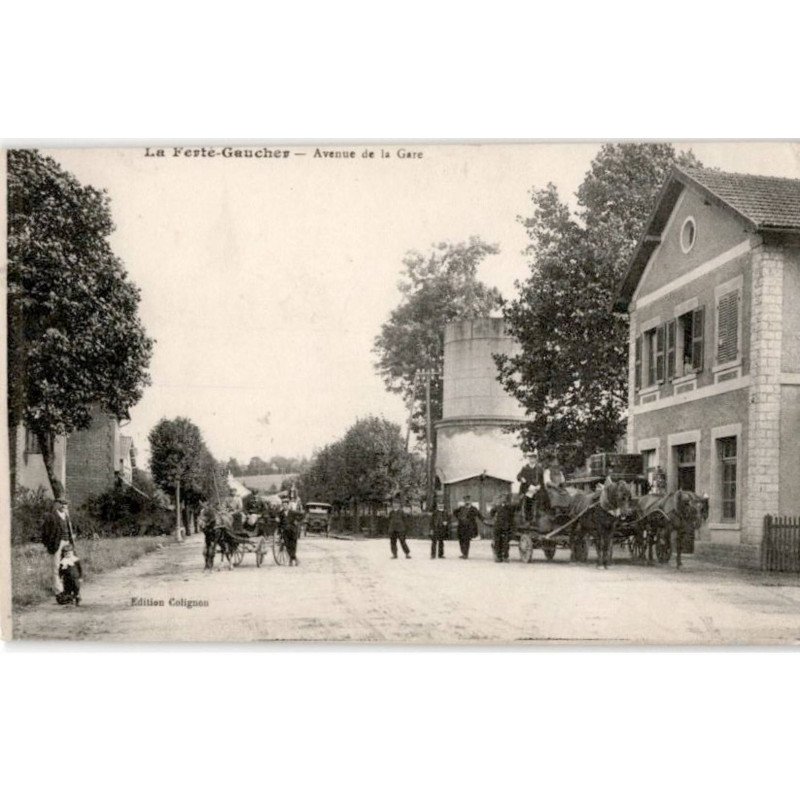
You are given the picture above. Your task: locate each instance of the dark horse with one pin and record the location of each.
(681, 512)
(598, 513)
(218, 531)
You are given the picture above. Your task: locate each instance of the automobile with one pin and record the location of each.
(318, 518)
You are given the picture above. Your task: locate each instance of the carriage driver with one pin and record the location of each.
(530, 480)
(554, 475)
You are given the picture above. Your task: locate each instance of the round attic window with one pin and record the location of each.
(688, 234)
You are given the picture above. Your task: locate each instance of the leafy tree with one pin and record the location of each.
(571, 373)
(75, 340)
(182, 465)
(437, 287)
(235, 467)
(257, 466)
(364, 468)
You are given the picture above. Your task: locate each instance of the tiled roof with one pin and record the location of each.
(767, 202)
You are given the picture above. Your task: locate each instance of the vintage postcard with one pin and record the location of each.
(409, 393)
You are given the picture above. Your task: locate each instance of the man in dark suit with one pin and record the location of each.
(440, 527)
(290, 520)
(503, 526)
(57, 532)
(467, 517)
(398, 527)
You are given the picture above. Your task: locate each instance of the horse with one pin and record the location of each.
(217, 528)
(681, 512)
(598, 513)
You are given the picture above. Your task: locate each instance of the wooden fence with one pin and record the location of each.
(780, 547)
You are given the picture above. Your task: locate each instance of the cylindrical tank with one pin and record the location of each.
(472, 438)
(470, 382)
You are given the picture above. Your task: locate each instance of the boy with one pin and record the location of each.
(70, 572)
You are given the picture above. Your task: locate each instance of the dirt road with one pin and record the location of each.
(351, 591)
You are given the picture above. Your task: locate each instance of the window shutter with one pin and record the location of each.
(698, 320)
(661, 335)
(728, 328)
(638, 369)
(671, 349)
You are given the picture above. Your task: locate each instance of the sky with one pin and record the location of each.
(265, 281)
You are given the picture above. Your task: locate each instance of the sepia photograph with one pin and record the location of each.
(404, 393)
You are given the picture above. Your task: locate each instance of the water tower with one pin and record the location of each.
(475, 455)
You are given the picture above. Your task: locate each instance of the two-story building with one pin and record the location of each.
(713, 294)
(86, 463)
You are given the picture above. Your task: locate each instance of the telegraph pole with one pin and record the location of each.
(428, 375)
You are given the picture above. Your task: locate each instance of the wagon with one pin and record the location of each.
(258, 534)
(549, 532)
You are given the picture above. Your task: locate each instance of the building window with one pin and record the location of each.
(650, 357)
(32, 447)
(726, 456)
(689, 343)
(728, 327)
(650, 342)
(688, 234)
(686, 459)
(32, 443)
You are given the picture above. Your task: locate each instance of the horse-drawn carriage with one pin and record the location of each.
(569, 518)
(609, 505)
(234, 534)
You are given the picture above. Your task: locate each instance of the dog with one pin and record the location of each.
(71, 573)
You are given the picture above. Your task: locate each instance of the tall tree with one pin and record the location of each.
(363, 469)
(182, 465)
(571, 374)
(75, 341)
(437, 287)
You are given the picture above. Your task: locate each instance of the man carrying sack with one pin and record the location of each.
(56, 533)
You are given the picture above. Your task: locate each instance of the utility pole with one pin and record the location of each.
(428, 375)
(178, 536)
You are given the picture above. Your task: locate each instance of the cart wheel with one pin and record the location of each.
(549, 550)
(237, 556)
(279, 551)
(663, 547)
(526, 548)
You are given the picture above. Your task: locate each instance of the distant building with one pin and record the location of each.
(475, 455)
(235, 486)
(713, 293)
(126, 459)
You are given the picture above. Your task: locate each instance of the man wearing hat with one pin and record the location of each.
(503, 514)
(56, 533)
(467, 517)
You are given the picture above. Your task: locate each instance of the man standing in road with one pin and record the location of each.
(291, 518)
(467, 517)
(398, 527)
(503, 526)
(440, 527)
(56, 533)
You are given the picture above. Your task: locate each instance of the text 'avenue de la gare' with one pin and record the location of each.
(334, 154)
